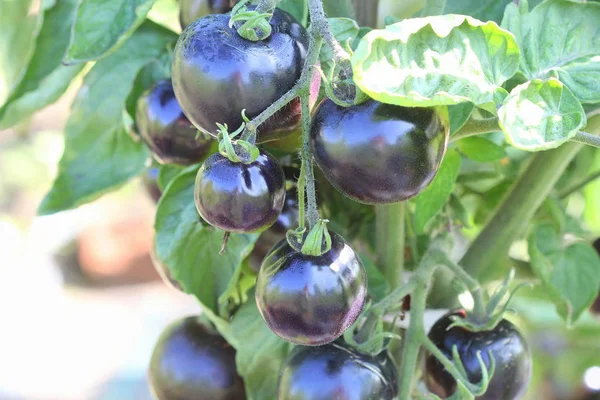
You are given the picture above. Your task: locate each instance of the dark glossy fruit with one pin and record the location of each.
(190, 362)
(149, 178)
(311, 300)
(217, 73)
(507, 346)
(336, 372)
(288, 219)
(239, 197)
(191, 10)
(166, 130)
(378, 153)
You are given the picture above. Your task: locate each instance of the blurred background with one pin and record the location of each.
(81, 304)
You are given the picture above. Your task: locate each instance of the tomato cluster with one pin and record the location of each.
(373, 153)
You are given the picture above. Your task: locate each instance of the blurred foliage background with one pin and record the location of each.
(82, 305)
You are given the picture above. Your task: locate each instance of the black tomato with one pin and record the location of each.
(378, 153)
(336, 372)
(149, 178)
(238, 197)
(217, 73)
(288, 219)
(507, 346)
(311, 300)
(165, 128)
(191, 10)
(190, 362)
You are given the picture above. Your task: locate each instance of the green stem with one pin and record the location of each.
(475, 127)
(587, 139)
(579, 185)
(411, 343)
(471, 283)
(517, 208)
(390, 241)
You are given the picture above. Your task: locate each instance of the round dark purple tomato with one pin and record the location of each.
(377, 153)
(311, 300)
(149, 178)
(166, 130)
(238, 197)
(191, 362)
(288, 219)
(217, 73)
(336, 372)
(507, 346)
(191, 10)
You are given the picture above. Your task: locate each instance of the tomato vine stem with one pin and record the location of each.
(587, 138)
(475, 127)
(390, 236)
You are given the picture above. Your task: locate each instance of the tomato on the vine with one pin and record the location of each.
(504, 343)
(238, 197)
(165, 128)
(287, 219)
(191, 362)
(311, 300)
(149, 179)
(336, 372)
(378, 153)
(191, 10)
(217, 74)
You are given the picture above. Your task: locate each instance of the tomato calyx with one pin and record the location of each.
(315, 242)
(486, 316)
(236, 150)
(253, 25)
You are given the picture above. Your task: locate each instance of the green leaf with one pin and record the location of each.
(540, 115)
(441, 60)
(167, 173)
(99, 155)
(570, 273)
(103, 25)
(480, 149)
(20, 22)
(45, 79)
(560, 38)
(345, 30)
(431, 200)
(151, 73)
(459, 115)
(298, 8)
(260, 353)
(190, 249)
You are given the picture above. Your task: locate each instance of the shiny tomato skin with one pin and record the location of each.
(191, 362)
(165, 128)
(336, 372)
(238, 197)
(217, 73)
(377, 153)
(191, 10)
(507, 346)
(311, 300)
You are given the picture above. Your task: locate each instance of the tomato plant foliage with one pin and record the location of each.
(516, 86)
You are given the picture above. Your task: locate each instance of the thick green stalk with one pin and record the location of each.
(511, 218)
(390, 241)
(366, 12)
(411, 343)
